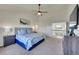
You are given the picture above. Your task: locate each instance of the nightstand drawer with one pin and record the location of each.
(8, 40)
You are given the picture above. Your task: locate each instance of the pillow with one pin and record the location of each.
(29, 30)
(22, 31)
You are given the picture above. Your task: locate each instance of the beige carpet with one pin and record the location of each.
(51, 46)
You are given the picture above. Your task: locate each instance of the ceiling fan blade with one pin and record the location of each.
(39, 12)
(34, 12)
(44, 12)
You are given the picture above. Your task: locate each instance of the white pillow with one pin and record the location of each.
(22, 31)
(29, 30)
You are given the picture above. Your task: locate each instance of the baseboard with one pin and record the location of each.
(1, 46)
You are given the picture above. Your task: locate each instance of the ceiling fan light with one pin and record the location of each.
(39, 13)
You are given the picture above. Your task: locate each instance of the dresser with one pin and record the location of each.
(8, 40)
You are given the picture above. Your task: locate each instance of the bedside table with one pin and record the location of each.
(8, 40)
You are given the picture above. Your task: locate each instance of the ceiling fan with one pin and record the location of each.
(40, 12)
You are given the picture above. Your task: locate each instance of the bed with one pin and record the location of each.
(27, 39)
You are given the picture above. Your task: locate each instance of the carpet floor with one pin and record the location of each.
(51, 46)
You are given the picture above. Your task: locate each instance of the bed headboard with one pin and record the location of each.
(22, 30)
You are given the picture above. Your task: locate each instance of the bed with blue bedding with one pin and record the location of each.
(28, 39)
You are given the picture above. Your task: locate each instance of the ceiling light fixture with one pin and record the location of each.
(39, 13)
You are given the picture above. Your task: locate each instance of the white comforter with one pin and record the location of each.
(29, 39)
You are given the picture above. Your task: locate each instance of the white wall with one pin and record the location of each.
(71, 8)
(47, 30)
(1, 36)
(51, 32)
(12, 19)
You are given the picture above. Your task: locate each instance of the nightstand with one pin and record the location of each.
(9, 39)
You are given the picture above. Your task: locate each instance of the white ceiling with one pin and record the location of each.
(56, 12)
(30, 7)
